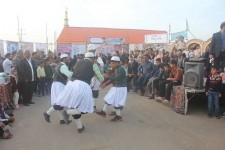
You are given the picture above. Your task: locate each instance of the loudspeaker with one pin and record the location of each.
(194, 75)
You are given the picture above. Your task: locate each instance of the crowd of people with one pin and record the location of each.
(74, 82)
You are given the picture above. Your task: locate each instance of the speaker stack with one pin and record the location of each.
(194, 73)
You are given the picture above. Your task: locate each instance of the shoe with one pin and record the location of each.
(113, 113)
(151, 97)
(26, 104)
(31, 102)
(66, 117)
(218, 117)
(47, 117)
(209, 116)
(63, 122)
(81, 130)
(165, 101)
(101, 113)
(117, 119)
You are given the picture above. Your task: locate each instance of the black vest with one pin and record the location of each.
(58, 76)
(83, 70)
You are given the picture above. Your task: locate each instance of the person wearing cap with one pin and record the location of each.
(166, 86)
(77, 95)
(118, 93)
(60, 78)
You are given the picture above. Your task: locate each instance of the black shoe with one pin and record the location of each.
(66, 117)
(63, 122)
(218, 117)
(81, 130)
(26, 104)
(31, 102)
(209, 116)
(47, 117)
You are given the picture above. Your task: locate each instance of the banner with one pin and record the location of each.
(26, 46)
(40, 47)
(176, 35)
(1, 48)
(138, 46)
(107, 41)
(64, 48)
(156, 38)
(78, 49)
(12, 46)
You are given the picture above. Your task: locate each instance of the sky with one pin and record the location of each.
(35, 16)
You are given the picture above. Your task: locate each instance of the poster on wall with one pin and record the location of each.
(156, 38)
(26, 46)
(12, 46)
(78, 49)
(97, 40)
(1, 48)
(64, 48)
(107, 41)
(40, 47)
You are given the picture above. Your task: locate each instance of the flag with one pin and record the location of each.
(187, 26)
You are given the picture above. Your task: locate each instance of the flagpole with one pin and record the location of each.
(187, 29)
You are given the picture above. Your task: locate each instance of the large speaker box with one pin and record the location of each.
(194, 75)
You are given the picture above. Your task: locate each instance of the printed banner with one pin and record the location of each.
(64, 48)
(26, 46)
(1, 48)
(12, 46)
(138, 46)
(156, 38)
(107, 41)
(176, 35)
(78, 49)
(40, 47)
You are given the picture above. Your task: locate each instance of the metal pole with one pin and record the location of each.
(46, 37)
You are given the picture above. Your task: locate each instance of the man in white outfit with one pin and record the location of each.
(60, 78)
(77, 95)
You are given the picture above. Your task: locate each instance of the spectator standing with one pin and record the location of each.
(217, 50)
(41, 79)
(7, 63)
(27, 77)
(49, 76)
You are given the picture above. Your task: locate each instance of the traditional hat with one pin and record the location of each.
(115, 58)
(89, 55)
(63, 56)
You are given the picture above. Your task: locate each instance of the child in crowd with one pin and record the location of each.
(14, 87)
(213, 91)
(222, 104)
(5, 119)
(95, 86)
(4, 131)
(41, 79)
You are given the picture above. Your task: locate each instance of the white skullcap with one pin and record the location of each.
(63, 56)
(91, 47)
(89, 55)
(115, 58)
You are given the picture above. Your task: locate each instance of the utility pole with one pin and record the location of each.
(46, 32)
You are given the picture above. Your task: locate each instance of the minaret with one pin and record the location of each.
(66, 20)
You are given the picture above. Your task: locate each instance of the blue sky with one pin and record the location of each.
(204, 17)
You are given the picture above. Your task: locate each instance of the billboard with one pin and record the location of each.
(26, 46)
(174, 36)
(156, 38)
(78, 49)
(1, 47)
(40, 47)
(107, 41)
(12, 46)
(64, 48)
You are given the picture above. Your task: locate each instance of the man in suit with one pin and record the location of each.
(26, 77)
(217, 50)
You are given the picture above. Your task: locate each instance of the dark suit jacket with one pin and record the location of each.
(133, 68)
(24, 71)
(216, 45)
